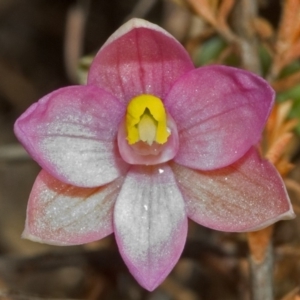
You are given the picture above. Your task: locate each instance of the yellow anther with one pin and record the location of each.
(146, 120)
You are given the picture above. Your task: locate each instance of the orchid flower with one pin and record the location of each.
(147, 143)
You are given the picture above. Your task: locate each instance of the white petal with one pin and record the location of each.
(150, 223)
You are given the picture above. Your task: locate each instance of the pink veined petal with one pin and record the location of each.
(220, 113)
(150, 223)
(62, 214)
(72, 133)
(245, 196)
(139, 58)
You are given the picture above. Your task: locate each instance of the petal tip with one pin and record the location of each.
(133, 24)
(150, 285)
(288, 215)
(34, 238)
(29, 236)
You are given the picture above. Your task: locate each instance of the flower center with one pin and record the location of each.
(148, 134)
(146, 120)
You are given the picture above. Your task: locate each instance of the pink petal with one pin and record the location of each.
(63, 214)
(139, 58)
(220, 113)
(245, 196)
(72, 133)
(150, 223)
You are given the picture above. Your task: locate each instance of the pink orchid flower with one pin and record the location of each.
(149, 142)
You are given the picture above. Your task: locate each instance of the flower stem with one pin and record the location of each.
(261, 264)
(260, 242)
(244, 12)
